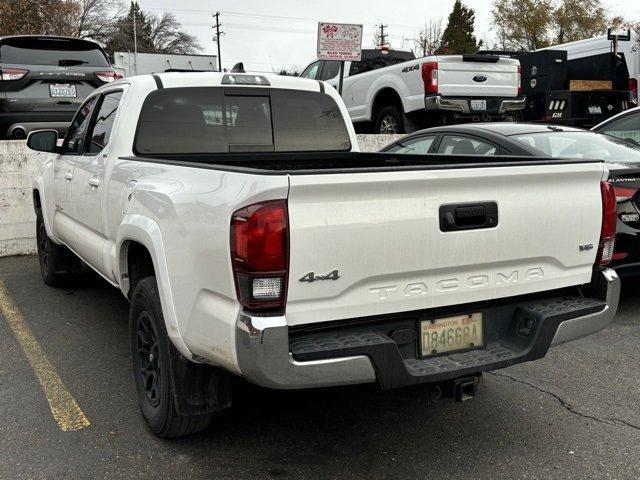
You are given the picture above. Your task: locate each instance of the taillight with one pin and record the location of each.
(430, 77)
(608, 231)
(633, 91)
(520, 89)
(108, 77)
(624, 193)
(260, 254)
(8, 74)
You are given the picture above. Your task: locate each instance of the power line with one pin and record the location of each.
(259, 16)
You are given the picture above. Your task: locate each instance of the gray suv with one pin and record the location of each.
(44, 79)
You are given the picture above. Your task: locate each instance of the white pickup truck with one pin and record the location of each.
(251, 238)
(397, 93)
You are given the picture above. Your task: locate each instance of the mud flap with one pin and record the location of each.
(198, 388)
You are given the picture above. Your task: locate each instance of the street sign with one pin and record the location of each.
(339, 41)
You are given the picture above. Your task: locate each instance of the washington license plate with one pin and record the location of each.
(62, 90)
(451, 334)
(478, 105)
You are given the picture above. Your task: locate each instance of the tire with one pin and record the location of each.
(150, 359)
(58, 265)
(389, 121)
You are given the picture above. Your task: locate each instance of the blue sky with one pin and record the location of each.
(276, 33)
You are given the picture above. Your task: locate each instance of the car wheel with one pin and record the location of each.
(389, 121)
(56, 261)
(149, 346)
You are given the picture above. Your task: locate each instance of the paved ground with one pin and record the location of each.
(573, 415)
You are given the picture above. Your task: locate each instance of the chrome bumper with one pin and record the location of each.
(263, 356)
(262, 346)
(463, 105)
(608, 289)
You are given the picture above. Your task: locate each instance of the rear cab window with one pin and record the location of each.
(210, 120)
(51, 51)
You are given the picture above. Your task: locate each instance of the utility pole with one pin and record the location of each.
(135, 39)
(382, 35)
(217, 38)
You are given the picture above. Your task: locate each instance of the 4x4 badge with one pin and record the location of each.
(312, 277)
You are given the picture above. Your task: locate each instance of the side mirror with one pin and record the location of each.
(43, 141)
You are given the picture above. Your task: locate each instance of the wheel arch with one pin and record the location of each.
(139, 245)
(385, 97)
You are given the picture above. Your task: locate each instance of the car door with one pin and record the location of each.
(72, 149)
(88, 175)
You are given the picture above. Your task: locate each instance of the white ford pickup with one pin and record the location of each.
(397, 93)
(251, 238)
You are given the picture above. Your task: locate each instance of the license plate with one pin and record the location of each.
(445, 335)
(478, 105)
(62, 90)
(595, 110)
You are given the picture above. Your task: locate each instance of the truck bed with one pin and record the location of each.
(345, 162)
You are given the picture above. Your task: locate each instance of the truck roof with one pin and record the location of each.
(214, 79)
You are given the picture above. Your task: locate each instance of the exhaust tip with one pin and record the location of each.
(19, 133)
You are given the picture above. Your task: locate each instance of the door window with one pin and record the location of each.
(626, 128)
(74, 143)
(461, 145)
(330, 70)
(311, 71)
(104, 122)
(415, 146)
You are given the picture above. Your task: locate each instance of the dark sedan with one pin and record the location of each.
(44, 79)
(549, 141)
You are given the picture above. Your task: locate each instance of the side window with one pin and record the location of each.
(311, 71)
(362, 66)
(104, 122)
(626, 128)
(415, 146)
(330, 70)
(74, 143)
(460, 145)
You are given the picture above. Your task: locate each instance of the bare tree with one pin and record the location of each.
(429, 38)
(53, 17)
(167, 36)
(97, 18)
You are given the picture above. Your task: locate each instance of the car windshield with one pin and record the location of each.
(588, 145)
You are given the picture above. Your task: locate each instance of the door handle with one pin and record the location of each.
(94, 182)
(455, 217)
(68, 176)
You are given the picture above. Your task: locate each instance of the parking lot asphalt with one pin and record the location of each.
(573, 415)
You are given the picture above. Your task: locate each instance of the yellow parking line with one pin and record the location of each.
(64, 407)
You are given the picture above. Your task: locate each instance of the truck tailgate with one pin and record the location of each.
(381, 231)
(463, 78)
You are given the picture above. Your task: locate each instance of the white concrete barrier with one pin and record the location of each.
(18, 167)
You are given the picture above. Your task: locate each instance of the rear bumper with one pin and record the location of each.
(30, 121)
(268, 356)
(463, 105)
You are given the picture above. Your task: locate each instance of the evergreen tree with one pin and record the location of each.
(458, 37)
(122, 36)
